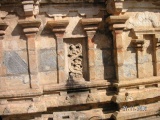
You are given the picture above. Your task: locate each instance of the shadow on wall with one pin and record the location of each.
(104, 57)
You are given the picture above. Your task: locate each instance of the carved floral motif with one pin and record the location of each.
(75, 60)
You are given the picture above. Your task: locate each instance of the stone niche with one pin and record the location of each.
(76, 63)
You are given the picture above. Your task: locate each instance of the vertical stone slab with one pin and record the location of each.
(91, 54)
(32, 60)
(60, 59)
(119, 53)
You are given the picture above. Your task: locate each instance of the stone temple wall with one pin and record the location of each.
(79, 59)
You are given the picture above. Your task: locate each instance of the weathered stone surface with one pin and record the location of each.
(72, 59)
(47, 60)
(14, 63)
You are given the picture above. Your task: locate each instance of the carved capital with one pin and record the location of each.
(90, 24)
(30, 26)
(58, 26)
(117, 22)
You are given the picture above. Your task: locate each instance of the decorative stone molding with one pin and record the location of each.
(58, 26)
(30, 28)
(145, 19)
(90, 24)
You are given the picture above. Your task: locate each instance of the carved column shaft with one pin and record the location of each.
(58, 28)
(138, 43)
(91, 54)
(32, 60)
(117, 25)
(119, 53)
(90, 26)
(60, 58)
(30, 28)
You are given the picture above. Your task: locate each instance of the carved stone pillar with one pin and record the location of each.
(117, 26)
(58, 27)
(90, 26)
(30, 28)
(138, 43)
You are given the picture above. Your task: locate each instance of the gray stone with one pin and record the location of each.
(14, 63)
(47, 60)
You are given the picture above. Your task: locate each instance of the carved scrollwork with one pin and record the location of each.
(75, 60)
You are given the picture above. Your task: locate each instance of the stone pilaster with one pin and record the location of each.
(117, 26)
(90, 26)
(138, 43)
(30, 28)
(58, 27)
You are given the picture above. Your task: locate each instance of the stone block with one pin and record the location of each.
(17, 82)
(91, 56)
(47, 60)
(92, 73)
(158, 55)
(49, 77)
(130, 56)
(33, 65)
(148, 69)
(130, 70)
(28, 9)
(14, 63)
(158, 68)
(46, 41)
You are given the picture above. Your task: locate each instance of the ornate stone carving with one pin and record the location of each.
(75, 60)
(146, 19)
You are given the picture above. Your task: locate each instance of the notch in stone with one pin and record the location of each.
(138, 43)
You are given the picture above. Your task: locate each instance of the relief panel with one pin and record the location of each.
(76, 60)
